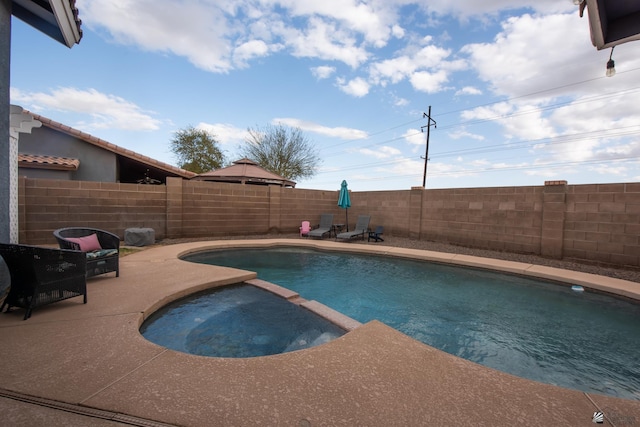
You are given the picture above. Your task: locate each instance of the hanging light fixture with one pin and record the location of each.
(611, 65)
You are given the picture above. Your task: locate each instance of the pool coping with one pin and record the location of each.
(93, 358)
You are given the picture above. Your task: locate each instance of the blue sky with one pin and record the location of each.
(516, 87)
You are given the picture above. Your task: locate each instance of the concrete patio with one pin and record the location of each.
(74, 364)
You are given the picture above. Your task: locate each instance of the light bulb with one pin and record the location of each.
(577, 2)
(611, 68)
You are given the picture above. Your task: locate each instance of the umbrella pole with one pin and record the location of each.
(346, 213)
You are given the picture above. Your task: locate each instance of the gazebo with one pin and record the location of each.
(245, 171)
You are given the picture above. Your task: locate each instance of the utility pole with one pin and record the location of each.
(426, 154)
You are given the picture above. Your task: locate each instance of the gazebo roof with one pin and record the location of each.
(245, 171)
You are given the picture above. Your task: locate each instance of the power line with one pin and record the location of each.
(547, 166)
(478, 121)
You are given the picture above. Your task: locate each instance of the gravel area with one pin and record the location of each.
(631, 274)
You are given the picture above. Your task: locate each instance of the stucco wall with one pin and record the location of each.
(598, 223)
(96, 164)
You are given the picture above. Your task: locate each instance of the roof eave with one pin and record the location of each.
(67, 18)
(120, 151)
(59, 20)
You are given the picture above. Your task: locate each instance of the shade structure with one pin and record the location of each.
(344, 201)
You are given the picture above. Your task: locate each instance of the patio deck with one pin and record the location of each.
(76, 364)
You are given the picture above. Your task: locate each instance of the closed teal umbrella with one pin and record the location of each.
(344, 201)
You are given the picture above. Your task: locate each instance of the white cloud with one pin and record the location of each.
(425, 81)
(414, 137)
(399, 102)
(526, 54)
(151, 25)
(404, 66)
(467, 9)
(250, 50)
(336, 132)
(323, 71)
(357, 87)
(397, 31)
(107, 111)
(373, 20)
(469, 90)
(406, 166)
(225, 133)
(323, 40)
(383, 152)
(219, 36)
(464, 134)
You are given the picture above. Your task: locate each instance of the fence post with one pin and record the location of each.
(416, 206)
(553, 214)
(275, 206)
(174, 208)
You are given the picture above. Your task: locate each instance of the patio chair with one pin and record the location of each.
(305, 228)
(41, 276)
(326, 224)
(362, 227)
(375, 235)
(101, 248)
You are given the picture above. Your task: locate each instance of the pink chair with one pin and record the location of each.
(305, 228)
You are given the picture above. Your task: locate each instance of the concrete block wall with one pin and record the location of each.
(603, 223)
(297, 205)
(46, 204)
(390, 209)
(501, 218)
(218, 209)
(599, 222)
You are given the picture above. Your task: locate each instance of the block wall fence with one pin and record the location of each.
(599, 222)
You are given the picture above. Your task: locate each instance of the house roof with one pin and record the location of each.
(56, 18)
(52, 124)
(47, 162)
(245, 171)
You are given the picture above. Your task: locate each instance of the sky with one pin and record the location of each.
(517, 91)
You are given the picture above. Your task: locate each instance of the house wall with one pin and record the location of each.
(599, 223)
(44, 173)
(96, 164)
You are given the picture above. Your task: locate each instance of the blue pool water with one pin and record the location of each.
(237, 321)
(530, 328)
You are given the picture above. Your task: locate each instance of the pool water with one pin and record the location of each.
(237, 321)
(530, 328)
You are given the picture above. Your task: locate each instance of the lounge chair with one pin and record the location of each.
(362, 227)
(41, 276)
(375, 235)
(326, 225)
(305, 228)
(101, 248)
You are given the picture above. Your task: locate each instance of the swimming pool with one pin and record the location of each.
(237, 321)
(530, 328)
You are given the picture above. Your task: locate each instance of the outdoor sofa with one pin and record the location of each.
(40, 276)
(101, 248)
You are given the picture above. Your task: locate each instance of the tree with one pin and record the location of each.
(283, 150)
(197, 150)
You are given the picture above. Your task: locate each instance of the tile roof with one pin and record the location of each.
(52, 124)
(47, 162)
(245, 171)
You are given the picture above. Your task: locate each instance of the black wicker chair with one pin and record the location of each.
(41, 276)
(101, 261)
